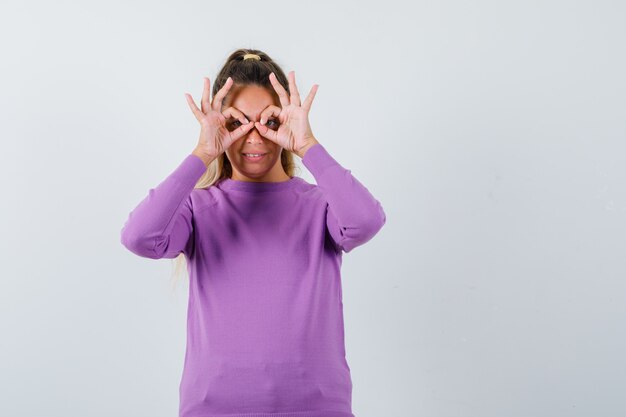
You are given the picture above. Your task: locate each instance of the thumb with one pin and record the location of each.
(241, 130)
(266, 132)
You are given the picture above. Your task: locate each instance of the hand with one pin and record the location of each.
(215, 138)
(294, 132)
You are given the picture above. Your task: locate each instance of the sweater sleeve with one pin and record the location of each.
(161, 224)
(353, 215)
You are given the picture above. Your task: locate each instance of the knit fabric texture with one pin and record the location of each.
(265, 329)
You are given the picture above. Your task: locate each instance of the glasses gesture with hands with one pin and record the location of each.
(293, 134)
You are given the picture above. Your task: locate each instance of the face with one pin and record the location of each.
(251, 100)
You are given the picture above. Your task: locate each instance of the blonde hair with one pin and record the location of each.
(243, 72)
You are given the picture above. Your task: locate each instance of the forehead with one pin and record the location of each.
(250, 99)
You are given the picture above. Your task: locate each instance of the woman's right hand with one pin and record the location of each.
(215, 137)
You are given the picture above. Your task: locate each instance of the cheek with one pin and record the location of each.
(232, 152)
(276, 149)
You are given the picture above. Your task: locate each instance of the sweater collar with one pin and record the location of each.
(255, 187)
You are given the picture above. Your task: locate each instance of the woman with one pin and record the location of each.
(265, 334)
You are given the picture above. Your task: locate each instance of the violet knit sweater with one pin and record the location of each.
(265, 331)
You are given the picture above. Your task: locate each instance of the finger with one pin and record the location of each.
(309, 99)
(280, 90)
(241, 130)
(270, 111)
(295, 95)
(206, 92)
(266, 132)
(217, 99)
(236, 114)
(192, 105)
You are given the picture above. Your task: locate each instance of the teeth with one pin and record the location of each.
(252, 154)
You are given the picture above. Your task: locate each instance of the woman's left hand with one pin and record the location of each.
(294, 132)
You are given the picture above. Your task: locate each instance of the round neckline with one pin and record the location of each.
(256, 187)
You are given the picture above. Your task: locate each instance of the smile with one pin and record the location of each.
(253, 157)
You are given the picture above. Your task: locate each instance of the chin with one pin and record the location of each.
(252, 171)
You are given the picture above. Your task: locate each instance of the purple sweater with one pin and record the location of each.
(265, 331)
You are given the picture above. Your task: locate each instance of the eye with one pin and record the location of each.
(232, 125)
(274, 121)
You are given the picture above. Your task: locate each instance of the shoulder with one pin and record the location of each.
(308, 190)
(202, 198)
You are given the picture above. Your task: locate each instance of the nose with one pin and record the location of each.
(254, 136)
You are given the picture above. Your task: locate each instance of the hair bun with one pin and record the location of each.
(251, 56)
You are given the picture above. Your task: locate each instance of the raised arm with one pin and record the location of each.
(161, 225)
(353, 216)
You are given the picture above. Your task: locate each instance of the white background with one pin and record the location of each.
(492, 132)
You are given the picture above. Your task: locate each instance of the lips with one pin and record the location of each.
(253, 158)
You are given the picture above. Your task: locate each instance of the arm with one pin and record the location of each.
(161, 225)
(353, 215)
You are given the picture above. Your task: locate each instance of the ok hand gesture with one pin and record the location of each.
(294, 133)
(215, 138)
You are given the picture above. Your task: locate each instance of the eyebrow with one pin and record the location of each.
(250, 118)
(246, 116)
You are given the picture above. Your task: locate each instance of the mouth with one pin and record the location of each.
(253, 157)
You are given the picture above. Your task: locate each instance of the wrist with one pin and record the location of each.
(306, 147)
(207, 159)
